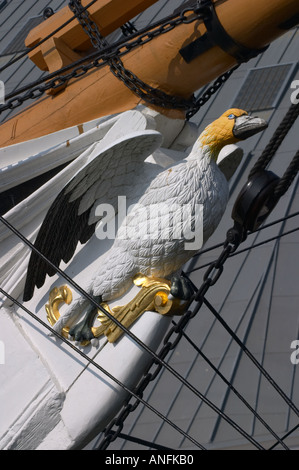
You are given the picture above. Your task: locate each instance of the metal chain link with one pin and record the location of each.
(89, 26)
(139, 87)
(205, 97)
(136, 85)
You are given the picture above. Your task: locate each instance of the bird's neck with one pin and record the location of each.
(212, 140)
(205, 152)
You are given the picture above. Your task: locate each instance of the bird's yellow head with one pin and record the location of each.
(234, 125)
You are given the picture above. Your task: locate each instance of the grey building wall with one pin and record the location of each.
(257, 295)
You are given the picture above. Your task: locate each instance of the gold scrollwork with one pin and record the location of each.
(153, 296)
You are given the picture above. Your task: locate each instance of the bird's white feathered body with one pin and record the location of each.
(151, 239)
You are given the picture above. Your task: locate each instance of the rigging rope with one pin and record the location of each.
(143, 442)
(287, 179)
(285, 436)
(251, 357)
(277, 139)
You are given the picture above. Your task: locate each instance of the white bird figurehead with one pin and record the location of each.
(231, 127)
(120, 169)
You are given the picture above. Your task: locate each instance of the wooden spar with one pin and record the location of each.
(108, 14)
(159, 63)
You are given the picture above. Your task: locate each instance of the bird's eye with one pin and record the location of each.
(231, 116)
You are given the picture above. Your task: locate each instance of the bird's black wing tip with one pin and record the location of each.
(28, 294)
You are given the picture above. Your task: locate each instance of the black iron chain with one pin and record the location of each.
(210, 91)
(110, 55)
(146, 92)
(136, 85)
(233, 240)
(89, 26)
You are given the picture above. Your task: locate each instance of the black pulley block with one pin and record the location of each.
(256, 200)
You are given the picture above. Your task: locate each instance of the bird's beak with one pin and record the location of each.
(247, 126)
